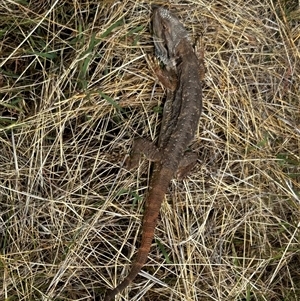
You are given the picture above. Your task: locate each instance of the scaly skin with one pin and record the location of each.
(180, 121)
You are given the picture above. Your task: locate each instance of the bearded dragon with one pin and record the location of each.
(181, 115)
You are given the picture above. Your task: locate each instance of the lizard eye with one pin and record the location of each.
(164, 26)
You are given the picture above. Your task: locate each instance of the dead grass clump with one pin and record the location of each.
(76, 89)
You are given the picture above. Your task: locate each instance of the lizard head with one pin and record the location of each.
(167, 33)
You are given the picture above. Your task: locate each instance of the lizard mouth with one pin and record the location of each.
(159, 35)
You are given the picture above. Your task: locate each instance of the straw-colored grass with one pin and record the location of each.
(76, 89)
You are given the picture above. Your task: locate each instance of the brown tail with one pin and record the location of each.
(155, 197)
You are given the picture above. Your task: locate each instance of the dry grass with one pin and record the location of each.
(76, 89)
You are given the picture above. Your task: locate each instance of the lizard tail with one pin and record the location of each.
(153, 204)
(141, 258)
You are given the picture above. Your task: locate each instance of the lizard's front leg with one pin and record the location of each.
(167, 76)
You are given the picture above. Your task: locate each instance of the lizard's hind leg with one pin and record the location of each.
(142, 146)
(186, 164)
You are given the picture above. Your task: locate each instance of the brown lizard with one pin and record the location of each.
(181, 115)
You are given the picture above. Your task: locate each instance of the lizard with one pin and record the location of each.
(181, 114)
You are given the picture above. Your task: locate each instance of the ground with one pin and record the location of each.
(76, 88)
